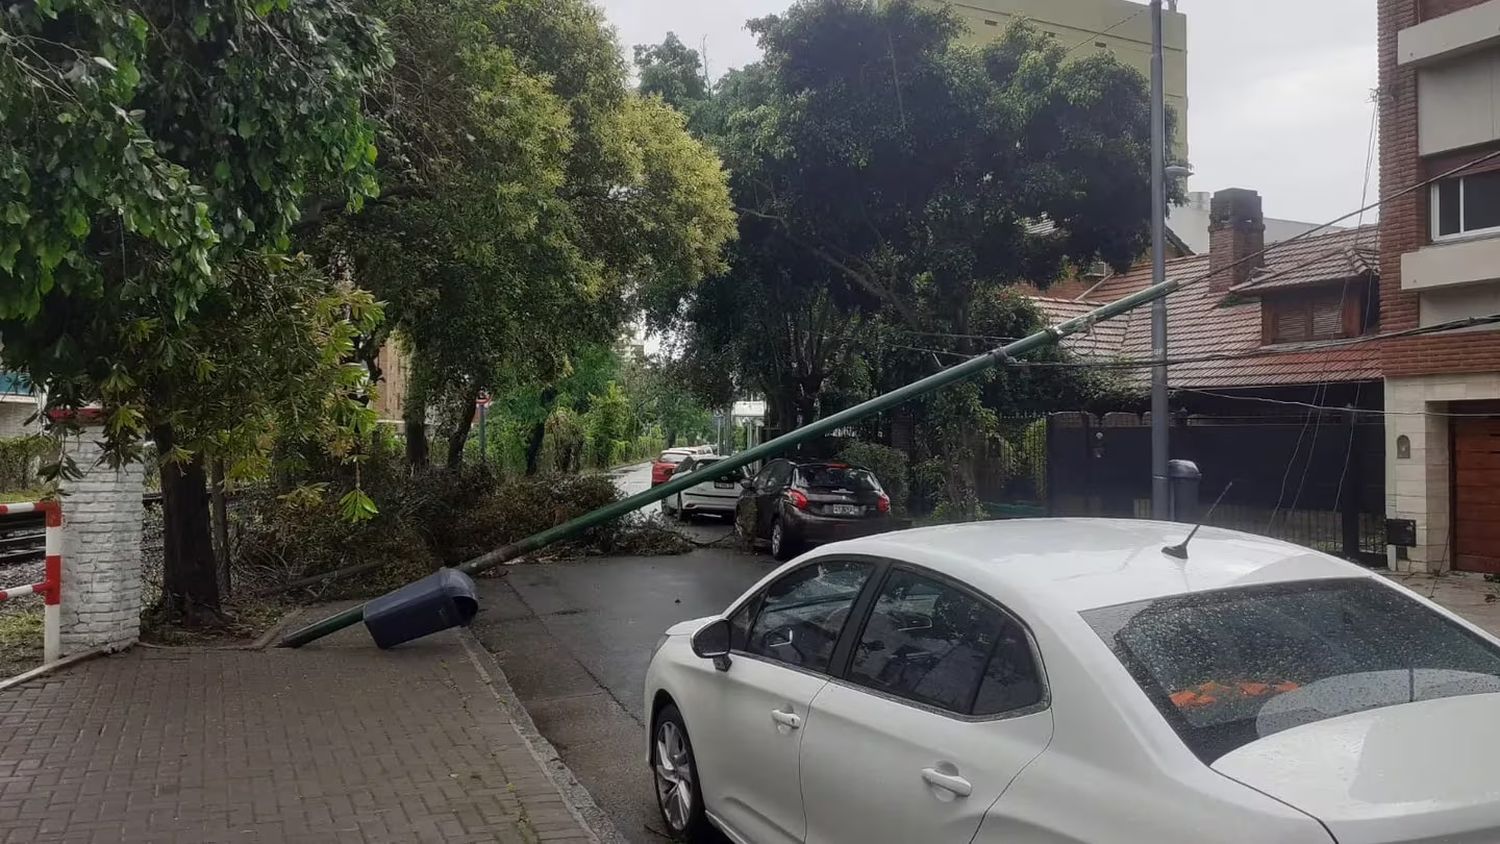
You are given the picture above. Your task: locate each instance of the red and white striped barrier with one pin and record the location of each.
(51, 586)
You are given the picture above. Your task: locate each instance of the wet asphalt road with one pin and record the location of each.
(574, 639)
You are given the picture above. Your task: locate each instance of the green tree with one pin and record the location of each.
(607, 424)
(892, 185)
(533, 202)
(673, 71)
(153, 158)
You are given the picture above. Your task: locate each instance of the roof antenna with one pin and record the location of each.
(1180, 550)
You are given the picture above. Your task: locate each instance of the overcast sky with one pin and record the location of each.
(1278, 90)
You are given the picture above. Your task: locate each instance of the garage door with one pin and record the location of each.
(1476, 478)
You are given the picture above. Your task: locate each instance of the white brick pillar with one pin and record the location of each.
(101, 577)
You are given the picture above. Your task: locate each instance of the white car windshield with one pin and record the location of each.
(1230, 666)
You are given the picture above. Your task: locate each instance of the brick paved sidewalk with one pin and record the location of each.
(337, 742)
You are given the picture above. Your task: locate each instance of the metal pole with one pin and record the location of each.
(572, 527)
(1160, 485)
(484, 442)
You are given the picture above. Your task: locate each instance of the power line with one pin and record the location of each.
(1335, 409)
(1289, 349)
(1261, 253)
(1107, 30)
(1364, 191)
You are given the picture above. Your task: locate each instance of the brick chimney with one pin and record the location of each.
(1236, 230)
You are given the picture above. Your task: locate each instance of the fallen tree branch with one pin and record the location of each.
(315, 579)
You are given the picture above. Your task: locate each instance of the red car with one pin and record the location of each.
(666, 463)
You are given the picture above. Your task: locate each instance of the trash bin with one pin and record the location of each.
(441, 600)
(1184, 479)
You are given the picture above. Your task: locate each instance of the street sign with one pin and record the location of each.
(484, 398)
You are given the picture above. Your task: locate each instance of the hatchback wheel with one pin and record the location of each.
(783, 546)
(677, 793)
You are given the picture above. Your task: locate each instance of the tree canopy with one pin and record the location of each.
(672, 71)
(892, 185)
(533, 203)
(153, 158)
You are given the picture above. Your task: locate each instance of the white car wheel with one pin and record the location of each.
(677, 792)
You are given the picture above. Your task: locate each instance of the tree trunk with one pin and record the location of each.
(671, 438)
(539, 432)
(221, 526)
(534, 447)
(460, 435)
(415, 415)
(416, 443)
(190, 581)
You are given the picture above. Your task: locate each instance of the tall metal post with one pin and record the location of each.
(484, 441)
(1160, 485)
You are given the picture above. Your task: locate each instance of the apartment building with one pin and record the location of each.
(1440, 261)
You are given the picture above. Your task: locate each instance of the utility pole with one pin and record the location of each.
(1160, 501)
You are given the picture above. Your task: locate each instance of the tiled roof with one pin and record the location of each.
(1201, 323)
(1102, 343)
(1320, 259)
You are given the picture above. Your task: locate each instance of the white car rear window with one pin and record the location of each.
(1230, 666)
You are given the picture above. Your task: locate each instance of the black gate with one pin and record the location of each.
(1317, 481)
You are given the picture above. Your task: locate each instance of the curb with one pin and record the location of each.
(577, 798)
(43, 670)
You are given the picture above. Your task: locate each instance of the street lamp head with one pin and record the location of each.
(1179, 170)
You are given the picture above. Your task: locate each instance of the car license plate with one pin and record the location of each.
(844, 510)
(723, 485)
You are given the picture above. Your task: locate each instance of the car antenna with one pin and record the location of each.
(1180, 550)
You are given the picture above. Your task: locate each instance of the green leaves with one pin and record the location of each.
(154, 158)
(355, 506)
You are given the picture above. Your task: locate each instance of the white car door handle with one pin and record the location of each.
(790, 720)
(947, 782)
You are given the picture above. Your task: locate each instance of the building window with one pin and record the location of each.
(988, 22)
(1301, 320)
(1466, 205)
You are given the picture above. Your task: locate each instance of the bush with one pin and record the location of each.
(520, 507)
(427, 520)
(889, 464)
(20, 457)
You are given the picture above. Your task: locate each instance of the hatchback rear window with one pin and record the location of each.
(838, 477)
(1230, 666)
(704, 462)
(672, 457)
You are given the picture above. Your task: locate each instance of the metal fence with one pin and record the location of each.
(1316, 480)
(1011, 468)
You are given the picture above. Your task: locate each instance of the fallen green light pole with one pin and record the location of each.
(573, 527)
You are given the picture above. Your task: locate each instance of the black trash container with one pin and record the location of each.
(1184, 480)
(441, 600)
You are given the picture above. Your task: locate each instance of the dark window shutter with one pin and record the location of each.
(1291, 322)
(1327, 319)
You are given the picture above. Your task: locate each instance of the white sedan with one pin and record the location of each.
(1067, 680)
(719, 495)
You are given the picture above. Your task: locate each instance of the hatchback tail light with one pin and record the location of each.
(796, 498)
(883, 503)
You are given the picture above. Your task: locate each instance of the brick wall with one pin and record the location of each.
(1403, 221)
(1437, 8)
(101, 593)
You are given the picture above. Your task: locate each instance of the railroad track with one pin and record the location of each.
(22, 539)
